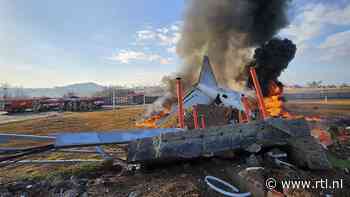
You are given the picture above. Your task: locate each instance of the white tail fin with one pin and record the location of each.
(207, 76)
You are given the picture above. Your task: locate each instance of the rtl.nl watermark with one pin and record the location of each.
(272, 183)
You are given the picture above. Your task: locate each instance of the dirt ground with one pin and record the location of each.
(176, 179)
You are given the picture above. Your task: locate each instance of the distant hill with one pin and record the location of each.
(79, 89)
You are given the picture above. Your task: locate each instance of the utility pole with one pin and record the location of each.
(113, 98)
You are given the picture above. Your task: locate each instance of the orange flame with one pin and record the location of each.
(152, 121)
(275, 105)
(274, 102)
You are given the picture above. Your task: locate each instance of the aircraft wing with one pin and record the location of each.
(102, 138)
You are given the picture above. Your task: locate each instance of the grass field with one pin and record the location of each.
(66, 122)
(76, 122)
(178, 179)
(333, 107)
(159, 183)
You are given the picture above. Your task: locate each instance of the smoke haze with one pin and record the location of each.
(227, 31)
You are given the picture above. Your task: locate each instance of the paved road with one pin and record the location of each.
(4, 118)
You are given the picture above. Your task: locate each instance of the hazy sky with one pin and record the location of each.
(50, 43)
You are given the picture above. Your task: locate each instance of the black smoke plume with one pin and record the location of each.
(226, 31)
(270, 60)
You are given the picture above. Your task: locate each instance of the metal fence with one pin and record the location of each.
(130, 100)
(318, 95)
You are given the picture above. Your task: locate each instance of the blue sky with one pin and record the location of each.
(53, 43)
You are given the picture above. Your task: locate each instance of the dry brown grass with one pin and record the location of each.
(76, 122)
(334, 107)
(323, 102)
(68, 122)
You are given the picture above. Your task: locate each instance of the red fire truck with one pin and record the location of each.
(53, 104)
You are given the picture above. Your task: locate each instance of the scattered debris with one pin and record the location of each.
(251, 180)
(212, 183)
(252, 161)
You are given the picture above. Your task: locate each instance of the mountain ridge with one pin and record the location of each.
(79, 89)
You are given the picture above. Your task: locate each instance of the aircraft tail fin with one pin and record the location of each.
(207, 76)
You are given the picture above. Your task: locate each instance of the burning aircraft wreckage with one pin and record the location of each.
(213, 117)
(216, 119)
(222, 120)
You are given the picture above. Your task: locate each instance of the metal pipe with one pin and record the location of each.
(5, 137)
(203, 121)
(72, 161)
(259, 94)
(179, 89)
(195, 117)
(246, 108)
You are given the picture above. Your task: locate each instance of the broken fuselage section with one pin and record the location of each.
(206, 91)
(292, 135)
